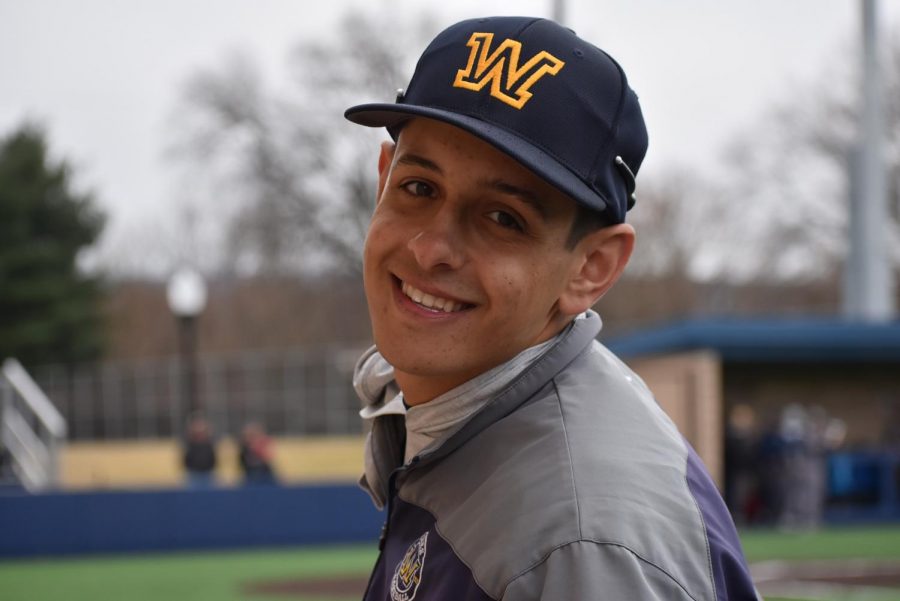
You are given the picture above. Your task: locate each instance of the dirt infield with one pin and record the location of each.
(820, 579)
(826, 579)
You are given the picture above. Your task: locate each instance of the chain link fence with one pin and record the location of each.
(296, 392)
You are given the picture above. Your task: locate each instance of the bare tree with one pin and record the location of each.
(301, 178)
(781, 199)
(669, 217)
(774, 209)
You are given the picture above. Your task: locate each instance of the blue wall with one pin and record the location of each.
(95, 522)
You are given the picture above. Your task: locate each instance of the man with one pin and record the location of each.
(199, 453)
(518, 458)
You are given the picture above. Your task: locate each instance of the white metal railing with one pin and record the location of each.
(32, 430)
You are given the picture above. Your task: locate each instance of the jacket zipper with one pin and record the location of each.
(385, 528)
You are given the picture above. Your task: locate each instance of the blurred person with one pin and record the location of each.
(890, 432)
(199, 454)
(826, 436)
(740, 462)
(256, 455)
(799, 472)
(769, 473)
(518, 458)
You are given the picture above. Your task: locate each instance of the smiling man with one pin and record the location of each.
(517, 457)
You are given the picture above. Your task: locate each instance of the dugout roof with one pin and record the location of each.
(769, 340)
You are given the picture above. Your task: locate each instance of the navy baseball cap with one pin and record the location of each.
(539, 93)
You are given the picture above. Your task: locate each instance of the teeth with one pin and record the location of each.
(432, 302)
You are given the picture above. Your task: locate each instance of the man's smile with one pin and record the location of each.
(430, 301)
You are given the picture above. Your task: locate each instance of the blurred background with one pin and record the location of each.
(182, 208)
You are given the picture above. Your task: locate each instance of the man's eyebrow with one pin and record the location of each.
(408, 158)
(523, 194)
(504, 187)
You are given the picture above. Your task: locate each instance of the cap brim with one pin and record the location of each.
(529, 155)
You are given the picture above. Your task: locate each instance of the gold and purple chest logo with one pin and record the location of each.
(408, 574)
(509, 81)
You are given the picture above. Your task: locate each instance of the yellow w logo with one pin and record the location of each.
(501, 68)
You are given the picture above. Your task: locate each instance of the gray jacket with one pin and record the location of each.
(571, 484)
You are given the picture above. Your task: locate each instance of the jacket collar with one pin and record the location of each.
(578, 335)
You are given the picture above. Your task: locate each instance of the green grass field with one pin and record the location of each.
(214, 576)
(881, 542)
(877, 544)
(226, 575)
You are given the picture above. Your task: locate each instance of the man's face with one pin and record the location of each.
(465, 258)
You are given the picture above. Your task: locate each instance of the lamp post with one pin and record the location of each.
(186, 294)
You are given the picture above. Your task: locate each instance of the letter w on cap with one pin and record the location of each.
(501, 68)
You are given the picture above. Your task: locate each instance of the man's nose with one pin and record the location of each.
(438, 244)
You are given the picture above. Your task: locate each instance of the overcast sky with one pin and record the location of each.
(104, 76)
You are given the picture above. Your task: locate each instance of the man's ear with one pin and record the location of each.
(385, 159)
(600, 258)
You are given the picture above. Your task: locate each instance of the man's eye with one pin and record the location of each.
(506, 220)
(417, 188)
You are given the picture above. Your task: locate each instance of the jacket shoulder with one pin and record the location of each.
(589, 457)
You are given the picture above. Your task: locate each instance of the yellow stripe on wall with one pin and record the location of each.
(157, 463)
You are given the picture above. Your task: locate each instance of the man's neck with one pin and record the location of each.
(419, 389)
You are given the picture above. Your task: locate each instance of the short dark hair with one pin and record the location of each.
(586, 221)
